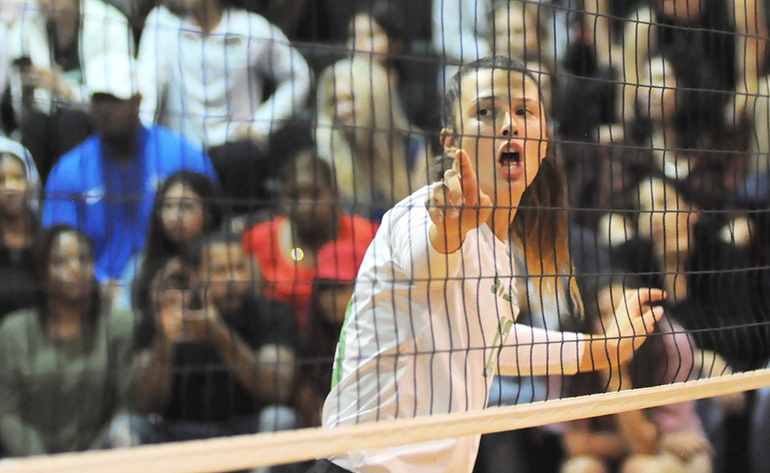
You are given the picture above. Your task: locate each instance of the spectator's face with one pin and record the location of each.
(333, 301)
(182, 214)
(14, 187)
(225, 275)
(113, 117)
(70, 269)
(312, 203)
(502, 127)
(348, 108)
(658, 100)
(367, 38)
(665, 218)
(515, 33)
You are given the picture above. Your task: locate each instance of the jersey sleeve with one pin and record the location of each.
(412, 248)
(532, 351)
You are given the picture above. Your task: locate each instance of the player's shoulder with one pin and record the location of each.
(413, 203)
(407, 210)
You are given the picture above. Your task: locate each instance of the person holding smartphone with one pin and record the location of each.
(216, 359)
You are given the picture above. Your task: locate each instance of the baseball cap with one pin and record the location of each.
(340, 260)
(113, 74)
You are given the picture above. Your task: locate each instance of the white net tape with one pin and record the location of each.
(250, 451)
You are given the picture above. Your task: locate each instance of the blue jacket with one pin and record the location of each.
(111, 202)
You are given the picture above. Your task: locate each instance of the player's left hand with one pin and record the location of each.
(634, 319)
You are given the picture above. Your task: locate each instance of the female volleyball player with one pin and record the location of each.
(432, 318)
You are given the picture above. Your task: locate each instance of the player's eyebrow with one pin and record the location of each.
(496, 98)
(528, 101)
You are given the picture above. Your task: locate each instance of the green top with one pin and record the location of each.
(61, 396)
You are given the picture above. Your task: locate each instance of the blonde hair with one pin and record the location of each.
(533, 12)
(373, 158)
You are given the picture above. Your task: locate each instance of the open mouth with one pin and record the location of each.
(510, 158)
(511, 154)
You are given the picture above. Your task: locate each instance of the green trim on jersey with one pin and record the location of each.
(337, 372)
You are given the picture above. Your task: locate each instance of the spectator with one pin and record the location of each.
(675, 132)
(19, 191)
(378, 158)
(52, 47)
(286, 247)
(679, 115)
(726, 37)
(520, 30)
(377, 32)
(587, 92)
(666, 438)
(461, 33)
(217, 101)
(700, 259)
(332, 290)
(186, 206)
(64, 364)
(223, 368)
(106, 186)
(466, 30)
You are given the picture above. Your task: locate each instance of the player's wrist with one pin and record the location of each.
(596, 355)
(445, 242)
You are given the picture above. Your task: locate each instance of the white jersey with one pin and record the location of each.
(425, 333)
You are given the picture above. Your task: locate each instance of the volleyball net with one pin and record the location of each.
(301, 278)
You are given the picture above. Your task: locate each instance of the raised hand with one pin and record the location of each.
(634, 319)
(456, 206)
(170, 296)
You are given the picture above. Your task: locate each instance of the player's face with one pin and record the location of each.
(501, 125)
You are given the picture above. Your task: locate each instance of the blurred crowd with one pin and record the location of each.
(187, 189)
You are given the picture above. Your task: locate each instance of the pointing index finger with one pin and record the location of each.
(469, 180)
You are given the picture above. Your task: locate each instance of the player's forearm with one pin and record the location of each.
(538, 352)
(597, 355)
